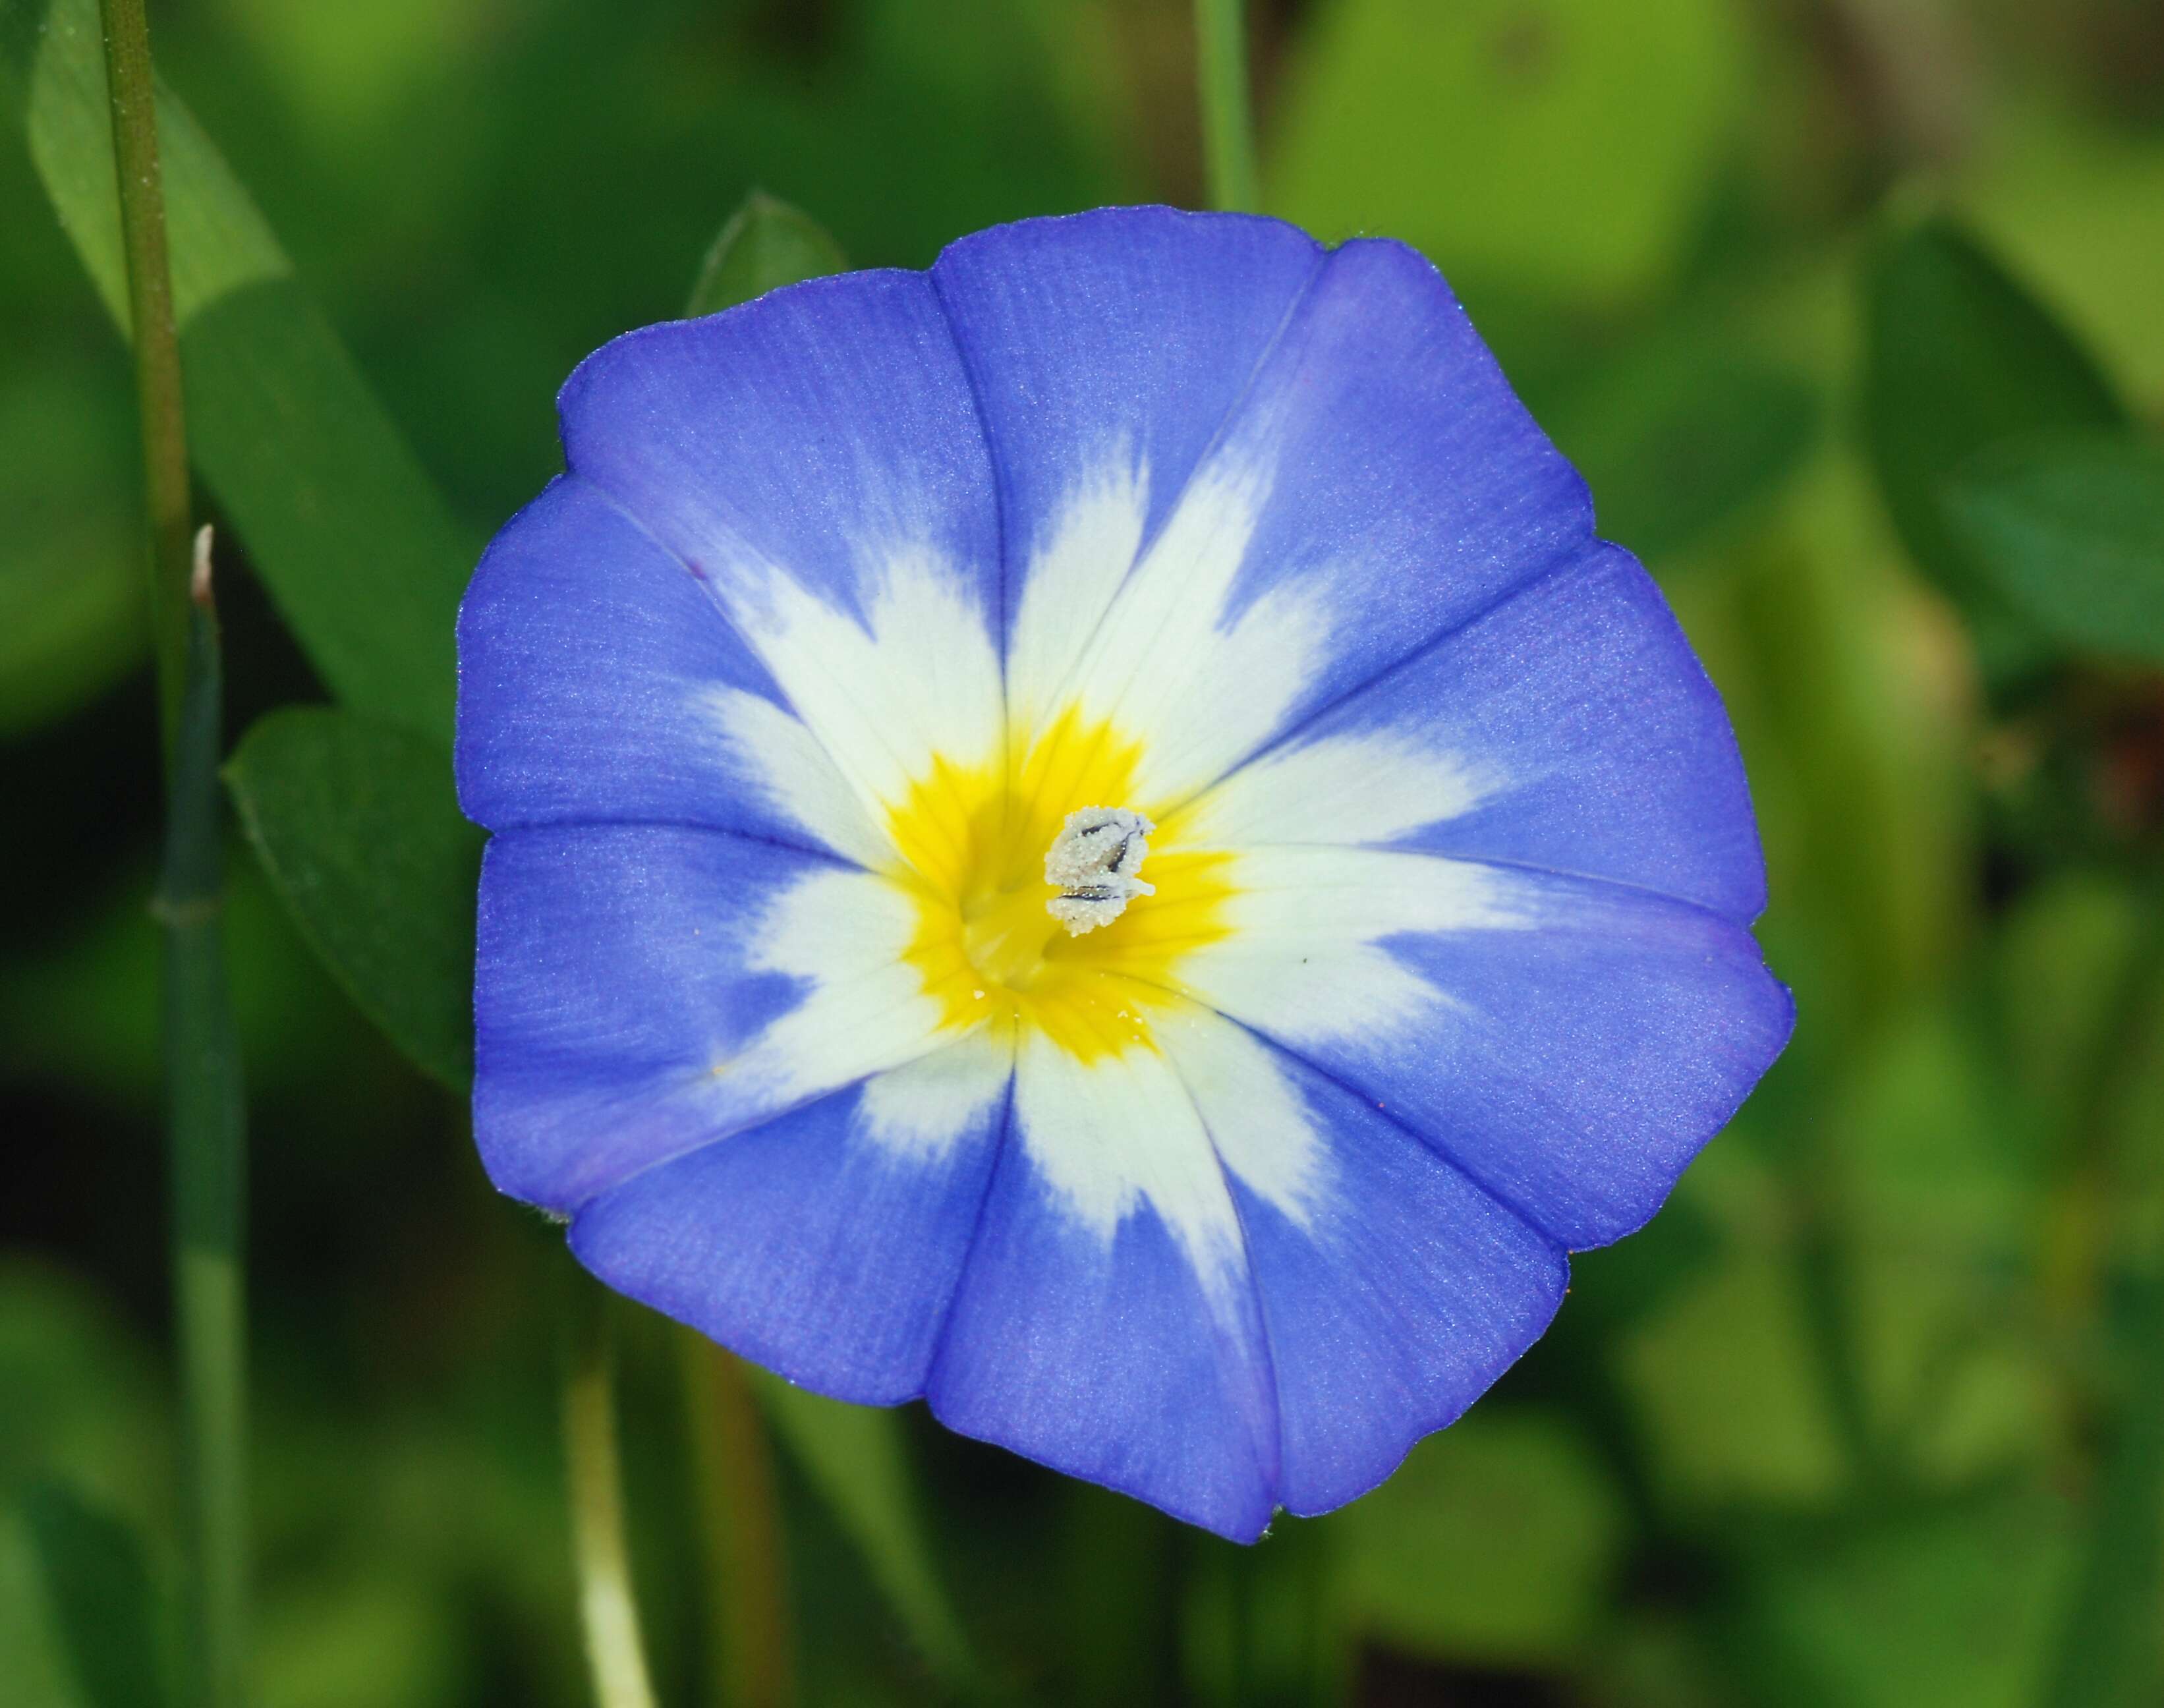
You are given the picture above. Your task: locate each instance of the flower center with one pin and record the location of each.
(1030, 909)
(1093, 861)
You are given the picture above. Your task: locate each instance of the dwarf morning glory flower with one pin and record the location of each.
(1090, 835)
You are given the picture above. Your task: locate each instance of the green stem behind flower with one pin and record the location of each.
(740, 1527)
(600, 1553)
(1228, 131)
(205, 1109)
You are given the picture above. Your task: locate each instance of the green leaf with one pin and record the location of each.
(1950, 1603)
(83, 1400)
(2070, 527)
(1495, 1542)
(1675, 441)
(1723, 1379)
(99, 1590)
(1935, 1165)
(39, 1673)
(2108, 1655)
(854, 1456)
(1564, 145)
(355, 545)
(357, 826)
(1959, 357)
(767, 244)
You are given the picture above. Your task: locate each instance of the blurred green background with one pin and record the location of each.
(1850, 312)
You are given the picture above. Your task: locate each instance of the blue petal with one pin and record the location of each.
(1393, 1306)
(1126, 332)
(810, 432)
(589, 662)
(1412, 485)
(1589, 739)
(807, 1243)
(1583, 687)
(1110, 1359)
(1578, 1054)
(628, 1004)
(832, 505)
(1387, 484)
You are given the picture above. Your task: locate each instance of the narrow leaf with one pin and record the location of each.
(2070, 527)
(1959, 357)
(767, 244)
(853, 1455)
(357, 826)
(2108, 1655)
(356, 546)
(102, 1605)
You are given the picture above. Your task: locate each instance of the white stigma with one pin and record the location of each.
(1093, 861)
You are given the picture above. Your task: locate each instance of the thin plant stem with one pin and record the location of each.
(1228, 131)
(204, 1100)
(206, 1114)
(601, 1552)
(740, 1528)
(129, 88)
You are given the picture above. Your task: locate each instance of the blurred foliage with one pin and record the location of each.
(1961, 358)
(355, 824)
(345, 529)
(1847, 309)
(2070, 527)
(97, 1589)
(1499, 1546)
(859, 1462)
(766, 244)
(1940, 1603)
(1677, 434)
(1574, 137)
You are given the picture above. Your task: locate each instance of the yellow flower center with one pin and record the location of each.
(973, 843)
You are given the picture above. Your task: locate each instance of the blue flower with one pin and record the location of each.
(1091, 835)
